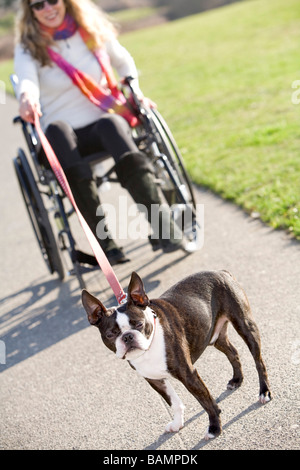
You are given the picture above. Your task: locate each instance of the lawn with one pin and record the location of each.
(223, 81)
(132, 14)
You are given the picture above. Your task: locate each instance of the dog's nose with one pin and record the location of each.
(127, 337)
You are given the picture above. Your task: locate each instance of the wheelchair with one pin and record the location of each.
(43, 195)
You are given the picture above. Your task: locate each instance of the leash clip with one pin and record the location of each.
(122, 299)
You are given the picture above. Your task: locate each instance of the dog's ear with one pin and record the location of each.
(94, 308)
(136, 291)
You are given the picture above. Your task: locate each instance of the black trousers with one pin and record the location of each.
(110, 133)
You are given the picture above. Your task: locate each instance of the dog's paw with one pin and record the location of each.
(174, 426)
(234, 383)
(212, 432)
(208, 435)
(265, 397)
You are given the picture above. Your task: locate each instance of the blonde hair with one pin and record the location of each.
(84, 12)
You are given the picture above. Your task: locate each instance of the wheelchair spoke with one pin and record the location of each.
(160, 146)
(38, 215)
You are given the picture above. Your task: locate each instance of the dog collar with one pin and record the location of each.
(154, 329)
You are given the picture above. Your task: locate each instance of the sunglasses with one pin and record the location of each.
(38, 6)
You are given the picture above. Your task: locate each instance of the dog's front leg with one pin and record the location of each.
(165, 389)
(192, 381)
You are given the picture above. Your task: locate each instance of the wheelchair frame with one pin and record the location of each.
(153, 137)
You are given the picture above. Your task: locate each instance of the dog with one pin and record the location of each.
(163, 338)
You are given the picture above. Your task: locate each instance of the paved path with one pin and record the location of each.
(62, 389)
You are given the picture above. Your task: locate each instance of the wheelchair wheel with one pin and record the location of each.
(38, 214)
(65, 239)
(170, 172)
(182, 187)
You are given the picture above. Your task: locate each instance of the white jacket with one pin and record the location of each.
(59, 98)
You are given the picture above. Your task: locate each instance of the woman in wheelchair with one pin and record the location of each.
(61, 46)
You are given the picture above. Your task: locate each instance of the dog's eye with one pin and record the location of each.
(138, 325)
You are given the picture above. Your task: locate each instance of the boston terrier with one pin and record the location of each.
(163, 338)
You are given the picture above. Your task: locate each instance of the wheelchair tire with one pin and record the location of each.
(167, 146)
(171, 176)
(38, 215)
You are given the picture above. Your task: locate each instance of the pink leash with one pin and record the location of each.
(97, 250)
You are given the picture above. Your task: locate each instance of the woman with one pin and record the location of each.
(57, 42)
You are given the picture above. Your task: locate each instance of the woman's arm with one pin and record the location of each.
(124, 64)
(28, 84)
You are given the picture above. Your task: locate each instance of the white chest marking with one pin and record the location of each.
(153, 364)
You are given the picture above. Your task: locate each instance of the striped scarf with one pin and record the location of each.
(110, 99)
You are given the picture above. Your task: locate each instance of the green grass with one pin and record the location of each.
(6, 23)
(132, 14)
(6, 68)
(223, 81)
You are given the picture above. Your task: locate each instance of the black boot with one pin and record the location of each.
(136, 175)
(85, 193)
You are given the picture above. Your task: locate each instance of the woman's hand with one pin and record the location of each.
(147, 102)
(28, 107)
(133, 82)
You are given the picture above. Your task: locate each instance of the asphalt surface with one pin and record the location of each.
(62, 389)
